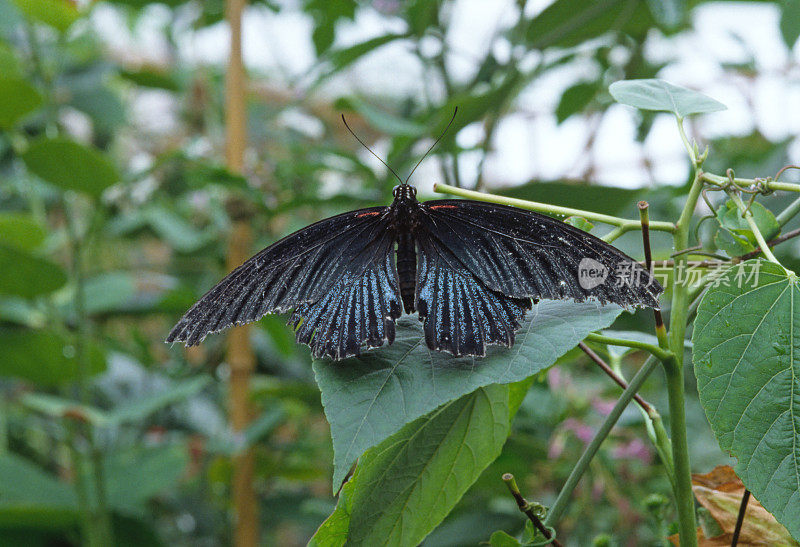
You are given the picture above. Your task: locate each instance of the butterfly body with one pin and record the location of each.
(469, 269)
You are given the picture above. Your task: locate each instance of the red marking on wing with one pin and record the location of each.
(444, 206)
(370, 214)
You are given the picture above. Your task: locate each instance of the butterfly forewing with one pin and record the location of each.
(298, 270)
(522, 254)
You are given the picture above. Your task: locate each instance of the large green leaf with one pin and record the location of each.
(44, 357)
(404, 487)
(29, 497)
(661, 96)
(70, 165)
(17, 98)
(747, 362)
(23, 274)
(366, 399)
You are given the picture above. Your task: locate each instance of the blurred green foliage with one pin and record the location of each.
(108, 232)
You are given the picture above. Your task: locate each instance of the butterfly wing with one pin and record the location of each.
(522, 254)
(460, 313)
(338, 274)
(360, 308)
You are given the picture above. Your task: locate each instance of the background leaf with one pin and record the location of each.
(575, 99)
(17, 99)
(663, 96)
(30, 275)
(668, 13)
(20, 231)
(59, 14)
(790, 21)
(566, 23)
(44, 357)
(30, 497)
(366, 399)
(70, 165)
(746, 360)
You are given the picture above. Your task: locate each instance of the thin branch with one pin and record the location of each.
(789, 213)
(740, 518)
(613, 375)
(659, 353)
(771, 243)
(627, 224)
(525, 507)
(722, 182)
(644, 218)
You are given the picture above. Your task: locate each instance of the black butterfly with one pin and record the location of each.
(469, 269)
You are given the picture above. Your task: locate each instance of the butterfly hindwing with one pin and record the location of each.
(461, 315)
(524, 254)
(360, 308)
(297, 271)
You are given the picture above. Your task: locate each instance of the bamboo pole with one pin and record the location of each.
(240, 354)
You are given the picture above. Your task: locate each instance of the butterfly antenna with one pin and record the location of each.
(371, 152)
(425, 155)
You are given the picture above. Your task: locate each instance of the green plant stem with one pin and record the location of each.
(663, 444)
(685, 140)
(718, 180)
(673, 368)
(560, 505)
(789, 213)
(81, 486)
(748, 217)
(684, 498)
(101, 532)
(626, 224)
(616, 233)
(660, 353)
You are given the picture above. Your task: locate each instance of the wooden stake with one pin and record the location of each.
(240, 354)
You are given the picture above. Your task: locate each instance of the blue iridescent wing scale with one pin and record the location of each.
(461, 314)
(360, 308)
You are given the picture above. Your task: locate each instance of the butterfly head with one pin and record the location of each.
(404, 192)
